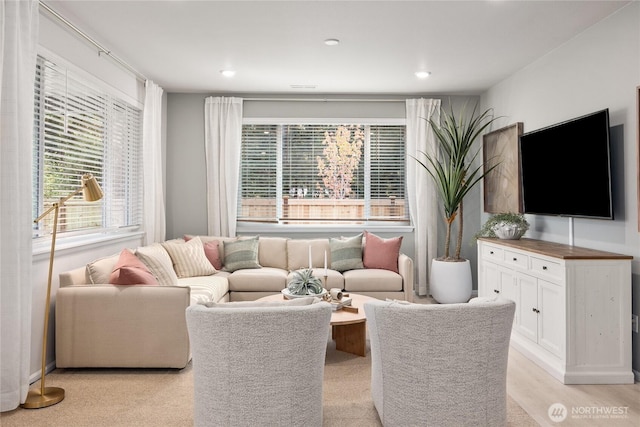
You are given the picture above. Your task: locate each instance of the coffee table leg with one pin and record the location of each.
(351, 338)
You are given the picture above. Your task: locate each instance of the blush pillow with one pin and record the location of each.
(381, 253)
(211, 251)
(129, 270)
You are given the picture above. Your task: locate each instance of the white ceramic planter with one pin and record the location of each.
(450, 282)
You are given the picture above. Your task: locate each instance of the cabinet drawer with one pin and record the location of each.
(492, 253)
(546, 267)
(516, 259)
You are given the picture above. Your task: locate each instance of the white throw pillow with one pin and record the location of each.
(189, 259)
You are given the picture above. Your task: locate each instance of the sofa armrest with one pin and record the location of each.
(405, 268)
(138, 326)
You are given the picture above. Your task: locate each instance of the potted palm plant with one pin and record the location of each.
(455, 169)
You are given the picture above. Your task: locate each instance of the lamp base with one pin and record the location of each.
(51, 396)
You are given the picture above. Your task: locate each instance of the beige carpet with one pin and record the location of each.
(162, 397)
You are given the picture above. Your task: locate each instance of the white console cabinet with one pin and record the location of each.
(573, 306)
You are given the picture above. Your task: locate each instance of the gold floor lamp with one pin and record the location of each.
(47, 396)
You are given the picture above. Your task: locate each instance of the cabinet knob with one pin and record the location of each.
(515, 259)
(496, 291)
(535, 310)
(491, 252)
(544, 267)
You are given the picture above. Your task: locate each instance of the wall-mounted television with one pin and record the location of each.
(566, 168)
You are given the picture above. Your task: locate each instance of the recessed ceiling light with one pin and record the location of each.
(423, 74)
(332, 42)
(228, 73)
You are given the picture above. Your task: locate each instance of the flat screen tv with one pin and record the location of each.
(566, 168)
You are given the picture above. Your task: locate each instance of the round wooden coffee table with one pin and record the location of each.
(349, 330)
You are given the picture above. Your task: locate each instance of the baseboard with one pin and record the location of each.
(636, 375)
(36, 375)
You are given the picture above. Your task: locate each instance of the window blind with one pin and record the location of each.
(79, 128)
(322, 173)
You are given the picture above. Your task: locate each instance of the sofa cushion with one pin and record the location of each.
(334, 278)
(298, 253)
(263, 279)
(100, 270)
(241, 254)
(188, 258)
(260, 304)
(372, 280)
(381, 253)
(272, 252)
(206, 288)
(346, 253)
(156, 258)
(129, 270)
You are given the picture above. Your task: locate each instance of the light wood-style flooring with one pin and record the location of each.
(586, 405)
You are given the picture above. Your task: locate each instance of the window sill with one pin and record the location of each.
(255, 228)
(42, 248)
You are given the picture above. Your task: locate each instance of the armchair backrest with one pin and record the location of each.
(258, 365)
(440, 364)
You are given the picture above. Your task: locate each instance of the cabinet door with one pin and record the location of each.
(551, 321)
(528, 308)
(489, 283)
(509, 289)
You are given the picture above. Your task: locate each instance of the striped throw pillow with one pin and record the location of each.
(188, 258)
(346, 253)
(156, 258)
(241, 254)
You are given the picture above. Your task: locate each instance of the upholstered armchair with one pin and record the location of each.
(440, 364)
(259, 363)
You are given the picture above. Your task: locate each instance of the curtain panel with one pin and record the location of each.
(223, 143)
(423, 202)
(18, 45)
(154, 221)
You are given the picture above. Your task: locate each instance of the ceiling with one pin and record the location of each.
(277, 47)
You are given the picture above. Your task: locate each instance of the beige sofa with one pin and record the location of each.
(103, 325)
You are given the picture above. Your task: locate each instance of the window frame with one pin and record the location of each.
(70, 239)
(248, 226)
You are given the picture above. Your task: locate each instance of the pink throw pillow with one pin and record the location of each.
(381, 253)
(129, 270)
(211, 251)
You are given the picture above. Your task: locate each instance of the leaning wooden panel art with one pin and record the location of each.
(502, 184)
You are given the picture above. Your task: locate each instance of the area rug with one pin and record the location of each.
(164, 397)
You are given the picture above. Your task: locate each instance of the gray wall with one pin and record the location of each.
(185, 166)
(597, 69)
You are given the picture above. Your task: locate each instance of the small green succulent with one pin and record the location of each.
(305, 283)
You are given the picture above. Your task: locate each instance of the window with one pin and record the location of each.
(78, 128)
(321, 173)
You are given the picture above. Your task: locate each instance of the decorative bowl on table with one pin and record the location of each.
(508, 231)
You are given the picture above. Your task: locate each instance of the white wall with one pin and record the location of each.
(598, 69)
(76, 53)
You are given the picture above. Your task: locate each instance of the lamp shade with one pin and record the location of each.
(91, 190)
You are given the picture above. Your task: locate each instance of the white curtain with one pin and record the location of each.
(18, 45)
(154, 210)
(223, 136)
(423, 201)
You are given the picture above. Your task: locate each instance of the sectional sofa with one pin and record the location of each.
(128, 310)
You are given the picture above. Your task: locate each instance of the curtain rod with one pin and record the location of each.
(325, 99)
(101, 49)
